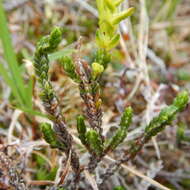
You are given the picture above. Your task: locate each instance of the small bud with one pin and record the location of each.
(97, 69)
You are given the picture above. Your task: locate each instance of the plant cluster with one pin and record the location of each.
(88, 76)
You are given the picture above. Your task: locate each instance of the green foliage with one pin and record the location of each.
(181, 133)
(181, 100)
(50, 136)
(94, 141)
(81, 127)
(69, 68)
(43, 172)
(183, 74)
(88, 79)
(11, 72)
(61, 188)
(119, 188)
(126, 118)
(185, 183)
(52, 174)
(121, 133)
(166, 115)
(46, 45)
(109, 18)
(102, 57)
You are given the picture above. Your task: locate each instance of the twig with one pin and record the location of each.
(40, 182)
(154, 127)
(15, 117)
(139, 174)
(50, 100)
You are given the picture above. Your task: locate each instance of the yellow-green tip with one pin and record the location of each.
(97, 69)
